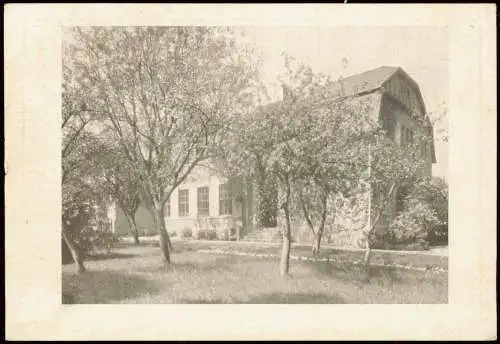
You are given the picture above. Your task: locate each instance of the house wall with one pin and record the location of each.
(350, 220)
(144, 221)
(346, 221)
(401, 118)
(200, 177)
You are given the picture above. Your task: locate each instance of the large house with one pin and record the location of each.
(207, 201)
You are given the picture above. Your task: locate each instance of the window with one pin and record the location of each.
(183, 202)
(388, 124)
(406, 137)
(405, 96)
(203, 203)
(167, 208)
(225, 200)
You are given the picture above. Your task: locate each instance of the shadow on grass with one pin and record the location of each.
(359, 274)
(195, 267)
(201, 302)
(104, 287)
(102, 256)
(300, 298)
(111, 255)
(277, 298)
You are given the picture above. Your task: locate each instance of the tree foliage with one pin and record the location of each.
(425, 210)
(310, 145)
(116, 180)
(166, 95)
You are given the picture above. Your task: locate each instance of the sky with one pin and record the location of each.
(421, 51)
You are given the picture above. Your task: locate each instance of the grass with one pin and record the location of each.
(378, 257)
(136, 275)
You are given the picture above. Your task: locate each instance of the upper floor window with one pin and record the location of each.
(225, 200)
(203, 201)
(389, 127)
(183, 202)
(407, 137)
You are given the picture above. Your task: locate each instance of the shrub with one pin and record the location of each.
(90, 240)
(201, 234)
(412, 226)
(382, 240)
(422, 220)
(173, 234)
(187, 232)
(66, 256)
(147, 232)
(212, 234)
(86, 230)
(104, 240)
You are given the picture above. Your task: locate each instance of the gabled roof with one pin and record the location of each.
(366, 83)
(369, 80)
(374, 79)
(353, 85)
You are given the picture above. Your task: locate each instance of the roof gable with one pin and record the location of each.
(367, 81)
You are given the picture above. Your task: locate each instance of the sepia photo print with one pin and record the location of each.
(250, 171)
(254, 165)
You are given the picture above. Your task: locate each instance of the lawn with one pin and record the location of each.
(136, 275)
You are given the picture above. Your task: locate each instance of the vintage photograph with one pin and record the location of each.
(265, 165)
(250, 171)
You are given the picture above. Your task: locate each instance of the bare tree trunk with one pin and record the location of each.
(285, 251)
(75, 252)
(133, 227)
(317, 244)
(368, 251)
(317, 235)
(321, 229)
(161, 229)
(287, 238)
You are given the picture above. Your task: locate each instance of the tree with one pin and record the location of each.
(336, 160)
(117, 180)
(76, 145)
(272, 138)
(425, 212)
(300, 143)
(167, 95)
(439, 120)
(80, 193)
(393, 168)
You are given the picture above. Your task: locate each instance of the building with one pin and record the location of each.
(204, 201)
(207, 201)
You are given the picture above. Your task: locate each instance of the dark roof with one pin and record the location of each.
(355, 84)
(359, 83)
(368, 81)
